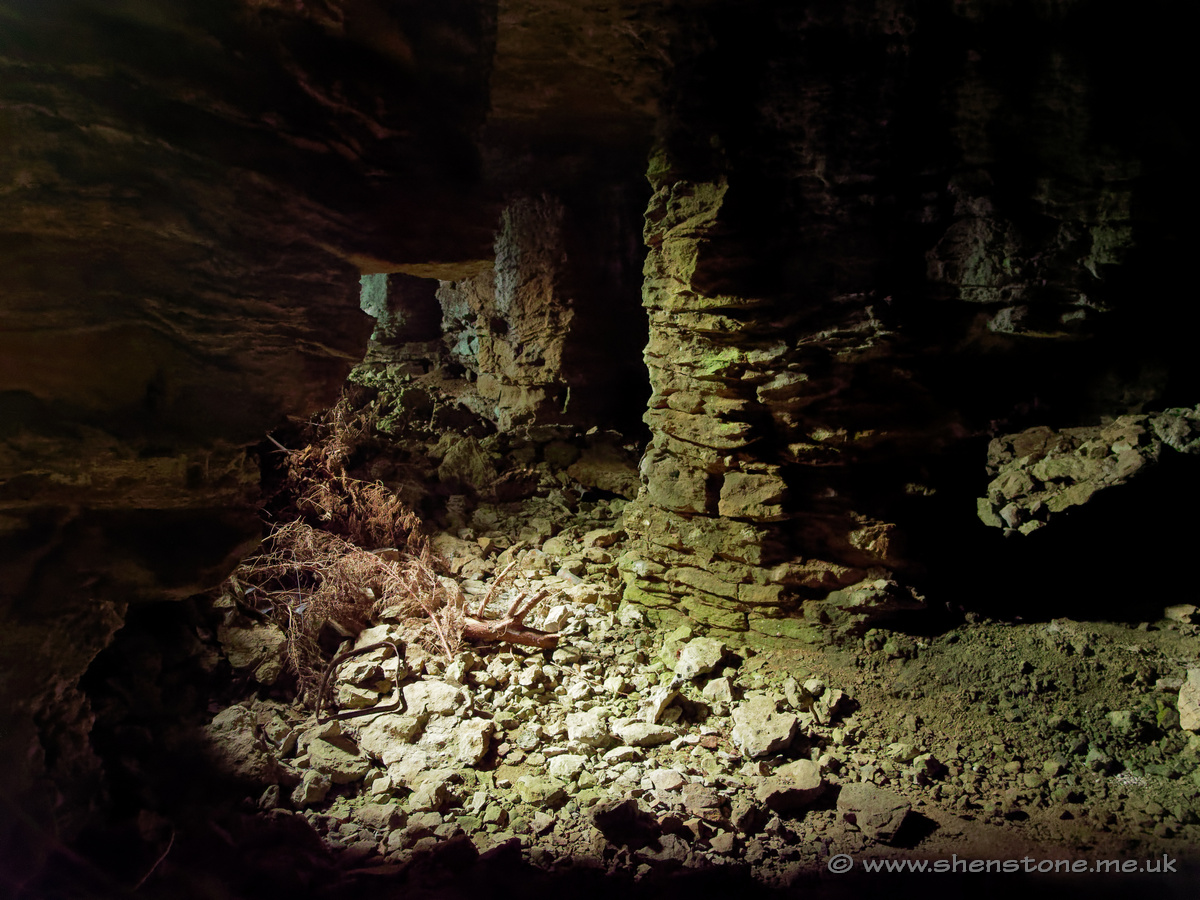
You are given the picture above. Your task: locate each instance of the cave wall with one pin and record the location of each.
(190, 194)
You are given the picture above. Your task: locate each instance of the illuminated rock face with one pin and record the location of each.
(874, 234)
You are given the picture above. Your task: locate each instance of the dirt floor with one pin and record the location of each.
(1030, 745)
(945, 754)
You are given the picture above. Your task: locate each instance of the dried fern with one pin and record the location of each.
(309, 579)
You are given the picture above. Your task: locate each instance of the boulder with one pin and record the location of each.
(759, 729)
(877, 812)
(793, 786)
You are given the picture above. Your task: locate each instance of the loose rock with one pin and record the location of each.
(1189, 702)
(760, 730)
(699, 657)
(794, 786)
(877, 812)
(643, 734)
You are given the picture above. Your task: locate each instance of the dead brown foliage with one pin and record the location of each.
(318, 488)
(344, 553)
(309, 581)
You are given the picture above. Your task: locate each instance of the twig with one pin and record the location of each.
(162, 856)
(496, 582)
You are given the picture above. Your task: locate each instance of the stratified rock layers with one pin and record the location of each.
(727, 387)
(848, 281)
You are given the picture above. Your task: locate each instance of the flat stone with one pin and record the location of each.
(877, 812)
(759, 730)
(699, 657)
(643, 734)
(793, 786)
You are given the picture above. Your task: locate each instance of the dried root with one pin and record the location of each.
(511, 627)
(308, 580)
(315, 580)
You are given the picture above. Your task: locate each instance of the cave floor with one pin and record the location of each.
(594, 764)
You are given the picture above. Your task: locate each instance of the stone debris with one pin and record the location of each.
(646, 749)
(502, 744)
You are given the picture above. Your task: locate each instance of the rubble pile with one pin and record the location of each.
(616, 746)
(637, 750)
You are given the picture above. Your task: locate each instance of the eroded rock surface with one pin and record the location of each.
(1041, 472)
